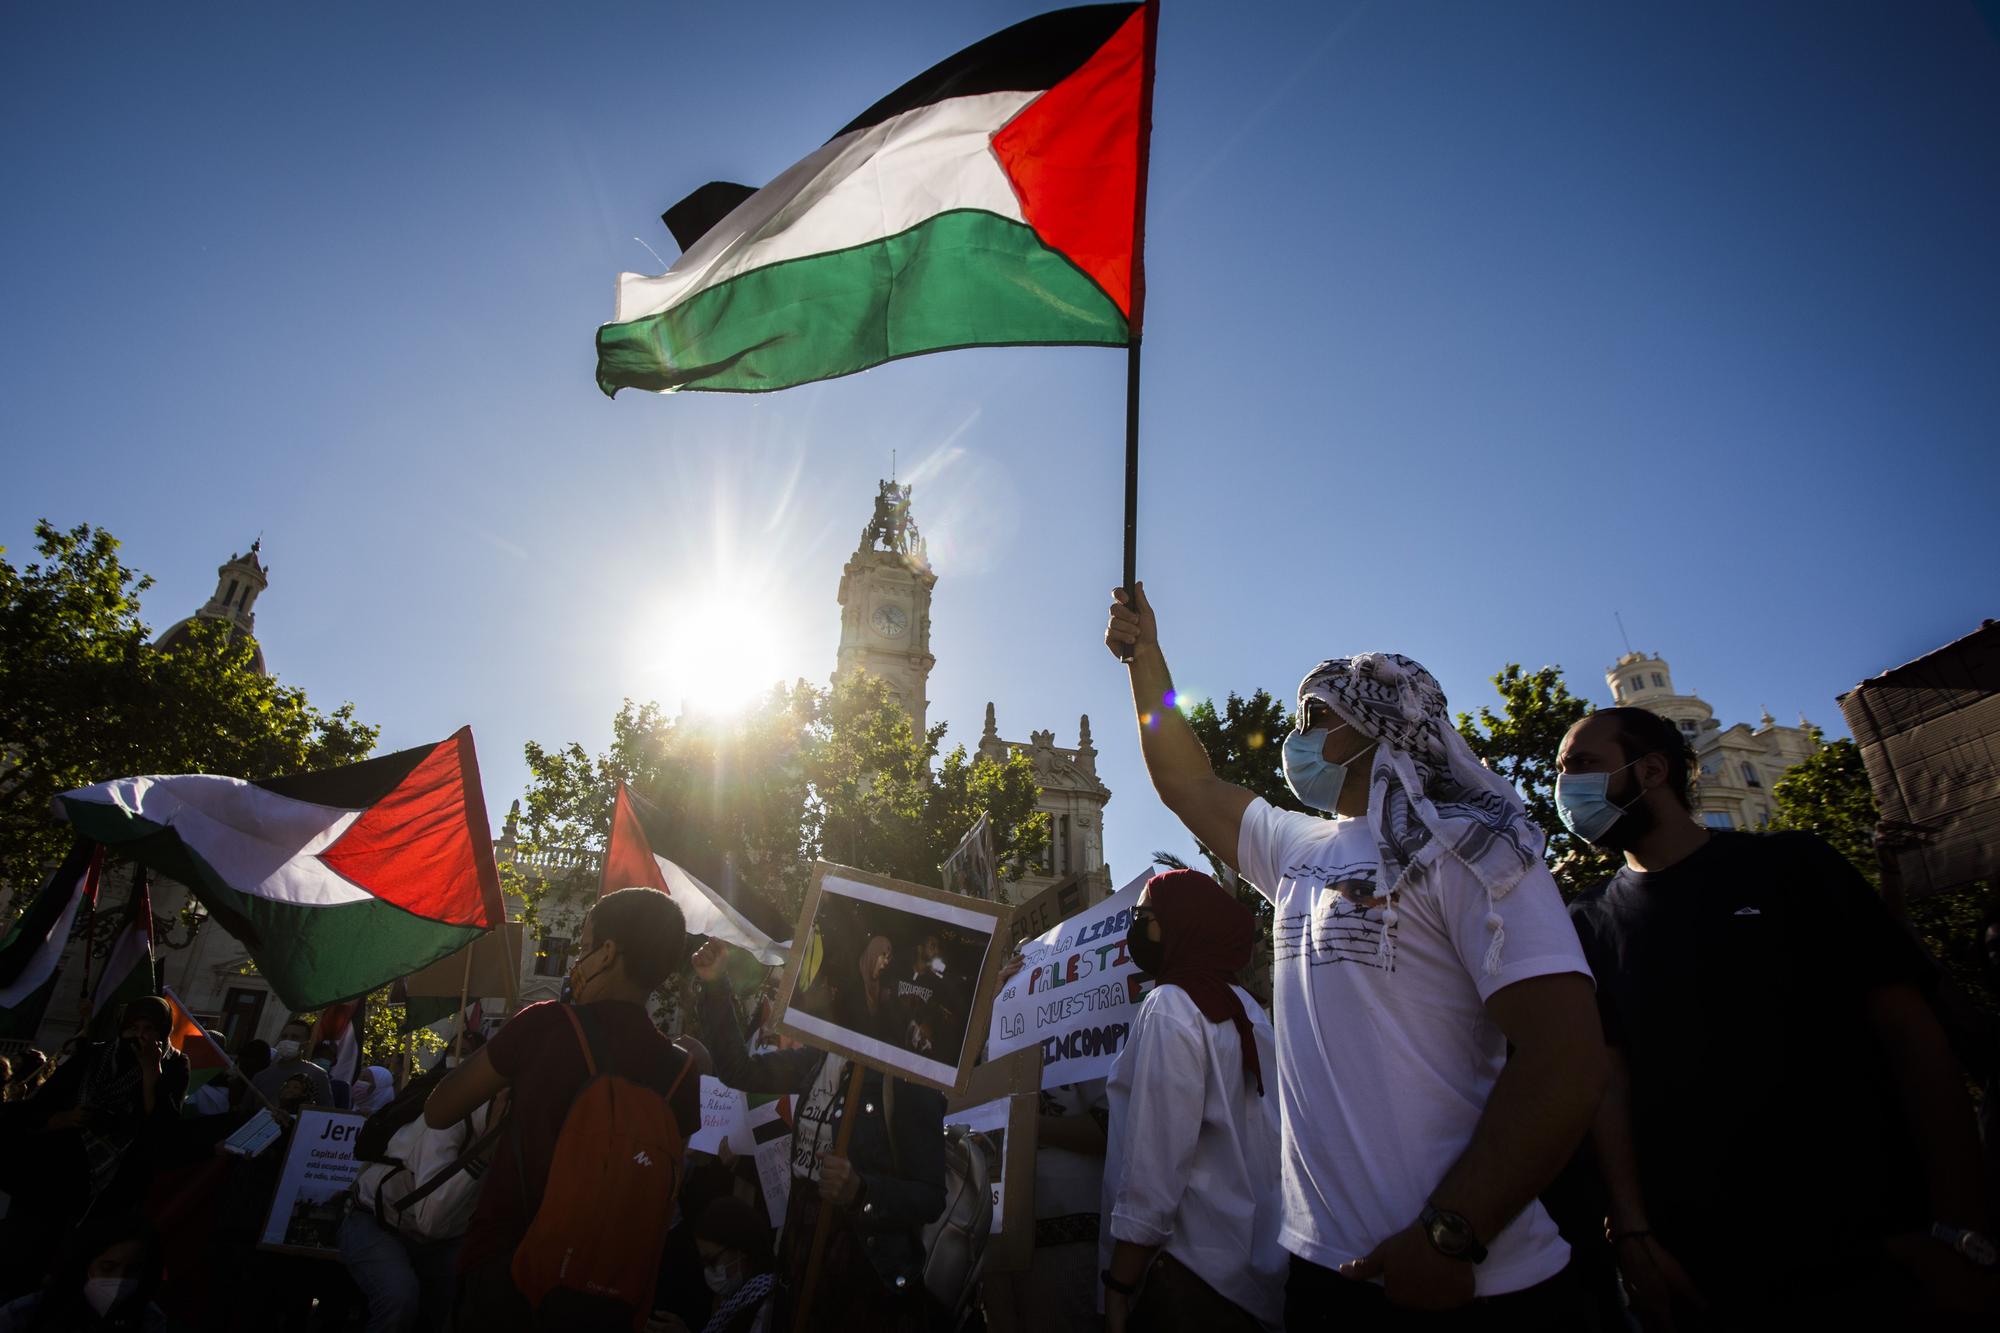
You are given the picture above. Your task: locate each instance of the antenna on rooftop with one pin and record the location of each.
(892, 465)
(1621, 632)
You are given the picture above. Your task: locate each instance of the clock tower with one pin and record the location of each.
(885, 604)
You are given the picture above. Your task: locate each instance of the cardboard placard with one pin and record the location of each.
(895, 975)
(309, 1202)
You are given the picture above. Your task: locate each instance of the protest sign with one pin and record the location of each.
(319, 1167)
(893, 975)
(725, 1114)
(1000, 1103)
(1075, 995)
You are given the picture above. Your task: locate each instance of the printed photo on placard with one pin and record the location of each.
(896, 975)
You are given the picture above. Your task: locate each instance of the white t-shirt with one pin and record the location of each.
(1193, 1151)
(1382, 1074)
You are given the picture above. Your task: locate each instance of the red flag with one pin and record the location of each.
(629, 862)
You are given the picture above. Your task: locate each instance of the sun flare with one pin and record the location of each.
(716, 650)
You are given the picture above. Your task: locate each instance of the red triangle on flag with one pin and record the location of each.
(628, 857)
(425, 846)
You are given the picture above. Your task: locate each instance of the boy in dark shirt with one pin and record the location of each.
(633, 940)
(1785, 1125)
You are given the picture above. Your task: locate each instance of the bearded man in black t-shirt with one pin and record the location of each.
(1786, 1132)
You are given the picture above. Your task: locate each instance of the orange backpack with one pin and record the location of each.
(592, 1253)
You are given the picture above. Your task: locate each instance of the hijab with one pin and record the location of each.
(1207, 937)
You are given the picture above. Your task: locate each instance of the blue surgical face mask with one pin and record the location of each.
(1586, 808)
(1313, 778)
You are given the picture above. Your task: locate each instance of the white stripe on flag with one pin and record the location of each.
(709, 913)
(134, 945)
(43, 965)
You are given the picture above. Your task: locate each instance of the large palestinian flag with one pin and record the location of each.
(336, 882)
(996, 198)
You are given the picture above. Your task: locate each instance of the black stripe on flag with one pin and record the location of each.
(352, 786)
(774, 1128)
(1032, 56)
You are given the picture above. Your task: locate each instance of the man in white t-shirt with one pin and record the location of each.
(1415, 938)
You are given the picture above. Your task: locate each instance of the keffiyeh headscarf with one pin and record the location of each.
(1428, 794)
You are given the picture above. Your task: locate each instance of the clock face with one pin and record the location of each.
(890, 621)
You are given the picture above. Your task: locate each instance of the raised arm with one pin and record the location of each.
(773, 1071)
(1211, 808)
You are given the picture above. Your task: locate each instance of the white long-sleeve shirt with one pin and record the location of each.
(1193, 1158)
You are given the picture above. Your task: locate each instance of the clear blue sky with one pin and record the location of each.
(1469, 325)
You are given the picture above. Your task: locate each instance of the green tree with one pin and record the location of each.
(1520, 744)
(84, 697)
(1828, 794)
(804, 774)
(1245, 745)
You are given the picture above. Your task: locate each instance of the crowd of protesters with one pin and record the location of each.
(1711, 1093)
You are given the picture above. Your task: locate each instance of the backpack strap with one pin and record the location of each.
(452, 1168)
(571, 1012)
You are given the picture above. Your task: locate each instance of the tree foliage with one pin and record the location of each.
(84, 697)
(1245, 744)
(1520, 743)
(1828, 794)
(805, 774)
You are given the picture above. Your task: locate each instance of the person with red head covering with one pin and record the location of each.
(1192, 1167)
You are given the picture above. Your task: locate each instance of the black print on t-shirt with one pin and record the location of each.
(1343, 926)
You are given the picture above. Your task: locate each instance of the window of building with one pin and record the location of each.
(1716, 819)
(1659, 681)
(1687, 725)
(552, 960)
(1750, 778)
(229, 596)
(1635, 684)
(1067, 854)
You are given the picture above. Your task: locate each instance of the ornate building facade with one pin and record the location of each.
(1739, 764)
(885, 623)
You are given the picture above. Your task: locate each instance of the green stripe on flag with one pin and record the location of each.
(965, 278)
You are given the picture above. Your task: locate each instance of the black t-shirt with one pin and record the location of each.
(1734, 983)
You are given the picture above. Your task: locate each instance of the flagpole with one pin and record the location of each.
(90, 939)
(1131, 469)
(458, 1042)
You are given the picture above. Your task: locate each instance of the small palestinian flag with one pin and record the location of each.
(341, 1025)
(336, 882)
(997, 198)
(631, 863)
(29, 954)
(130, 969)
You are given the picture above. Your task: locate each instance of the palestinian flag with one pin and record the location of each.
(130, 969)
(997, 198)
(29, 954)
(630, 863)
(336, 882)
(341, 1025)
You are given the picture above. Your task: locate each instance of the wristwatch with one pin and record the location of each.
(1451, 1234)
(1971, 1246)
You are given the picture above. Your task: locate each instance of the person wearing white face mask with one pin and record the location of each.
(103, 1283)
(1416, 938)
(737, 1262)
(288, 1061)
(1766, 1017)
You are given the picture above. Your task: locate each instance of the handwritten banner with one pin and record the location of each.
(1075, 995)
(725, 1114)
